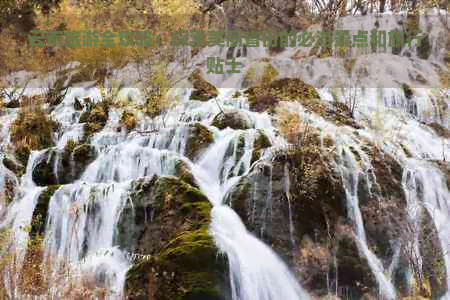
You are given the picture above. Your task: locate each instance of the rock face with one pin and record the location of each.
(199, 138)
(70, 164)
(233, 119)
(170, 222)
(94, 118)
(267, 95)
(297, 204)
(203, 90)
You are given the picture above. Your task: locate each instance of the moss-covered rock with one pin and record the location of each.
(407, 90)
(32, 130)
(261, 142)
(170, 222)
(298, 194)
(32, 274)
(260, 73)
(39, 218)
(70, 164)
(183, 172)
(433, 258)
(424, 50)
(440, 130)
(199, 139)
(13, 165)
(233, 119)
(9, 188)
(94, 119)
(266, 96)
(203, 90)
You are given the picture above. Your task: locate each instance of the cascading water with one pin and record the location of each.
(83, 215)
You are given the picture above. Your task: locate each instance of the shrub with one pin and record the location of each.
(128, 120)
(32, 130)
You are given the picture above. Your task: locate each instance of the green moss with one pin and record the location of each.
(233, 119)
(237, 94)
(199, 138)
(185, 262)
(407, 90)
(203, 90)
(95, 120)
(39, 218)
(260, 143)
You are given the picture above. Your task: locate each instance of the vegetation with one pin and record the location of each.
(32, 130)
(128, 120)
(94, 119)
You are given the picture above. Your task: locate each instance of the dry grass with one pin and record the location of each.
(290, 125)
(128, 120)
(32, 130)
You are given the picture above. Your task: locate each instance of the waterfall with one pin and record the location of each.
(83, 215)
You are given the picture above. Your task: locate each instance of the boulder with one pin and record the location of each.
(234, 119)
(70, 164)
(170, 223)
(199, 139)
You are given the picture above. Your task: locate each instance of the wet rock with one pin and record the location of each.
(170, 223)
(261, 142)
(407, 90)
(94, 119)
(15, 103)
(298, 195)
(434, 269)
(440, 130)
(203, 90)
(424, 50)
(10, 188)
(77, 104)
(266, 96)
(233, 118)
(198, 140)
(70, 164)
(11, 163)
(183, 172)
(34, 255)
(383, 203)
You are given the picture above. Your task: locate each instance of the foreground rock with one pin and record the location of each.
(170, 223)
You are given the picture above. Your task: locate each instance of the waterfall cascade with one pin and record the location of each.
(82, 215)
